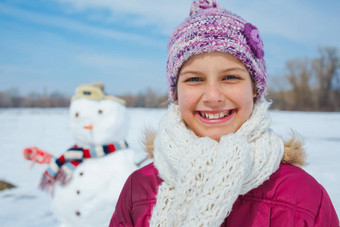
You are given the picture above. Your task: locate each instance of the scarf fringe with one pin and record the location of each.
(47, 182)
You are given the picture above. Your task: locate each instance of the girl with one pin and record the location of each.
(216, 160)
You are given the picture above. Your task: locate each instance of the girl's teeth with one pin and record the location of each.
(215, 116)
(211, 116)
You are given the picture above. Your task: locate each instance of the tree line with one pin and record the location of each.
(12, 99)
(313, 84)
(306, 85)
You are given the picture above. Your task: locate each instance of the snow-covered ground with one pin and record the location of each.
(48, 129)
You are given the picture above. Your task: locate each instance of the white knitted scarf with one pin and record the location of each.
(203, 177)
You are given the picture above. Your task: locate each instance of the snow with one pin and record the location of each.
(49, 129)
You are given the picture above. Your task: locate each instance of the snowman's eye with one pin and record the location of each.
(100, 111)
(77, 114)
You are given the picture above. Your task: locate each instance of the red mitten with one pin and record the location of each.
(34, 154)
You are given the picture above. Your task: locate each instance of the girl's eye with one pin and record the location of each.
(100, 111)
(230, 77)
(194, 79)
(77, 114)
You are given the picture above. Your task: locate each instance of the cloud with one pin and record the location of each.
(107, 62)
(164, 15)
(73, 25)
(306, 22)
(303, 21)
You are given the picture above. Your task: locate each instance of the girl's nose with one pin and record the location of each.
(213, 93)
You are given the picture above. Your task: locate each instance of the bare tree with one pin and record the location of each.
(314, 84)
(299, 77)
(327, 68)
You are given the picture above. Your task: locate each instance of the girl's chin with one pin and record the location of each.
(215, 135)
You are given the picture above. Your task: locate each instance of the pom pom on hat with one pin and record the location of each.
(210, 28)
(202, 4)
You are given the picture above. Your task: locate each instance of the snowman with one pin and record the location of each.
(87, 179)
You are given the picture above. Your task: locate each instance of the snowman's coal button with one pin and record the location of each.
(78, 192)
(81, 173)
(77, 213)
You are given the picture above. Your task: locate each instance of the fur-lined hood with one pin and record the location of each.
(294, 152)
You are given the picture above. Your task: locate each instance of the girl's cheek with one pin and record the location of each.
(183, 97)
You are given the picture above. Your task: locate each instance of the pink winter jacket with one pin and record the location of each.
(291, 197)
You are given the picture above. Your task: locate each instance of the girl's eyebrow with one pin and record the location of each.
(234, 69)
(190, 72)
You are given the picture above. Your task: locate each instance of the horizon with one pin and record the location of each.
(56, 45)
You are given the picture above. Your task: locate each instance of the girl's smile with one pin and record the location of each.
(215, 117)
(215, 94)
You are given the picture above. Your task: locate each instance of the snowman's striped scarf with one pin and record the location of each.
(61, 169)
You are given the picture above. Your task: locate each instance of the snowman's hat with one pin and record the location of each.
(94, 91)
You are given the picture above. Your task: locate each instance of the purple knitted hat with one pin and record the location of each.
(210, 28)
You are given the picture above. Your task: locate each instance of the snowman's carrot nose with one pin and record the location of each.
(89, 127)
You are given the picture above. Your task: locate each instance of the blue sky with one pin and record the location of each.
(56, 45)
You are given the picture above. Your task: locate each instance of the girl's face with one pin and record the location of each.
(215, 94)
